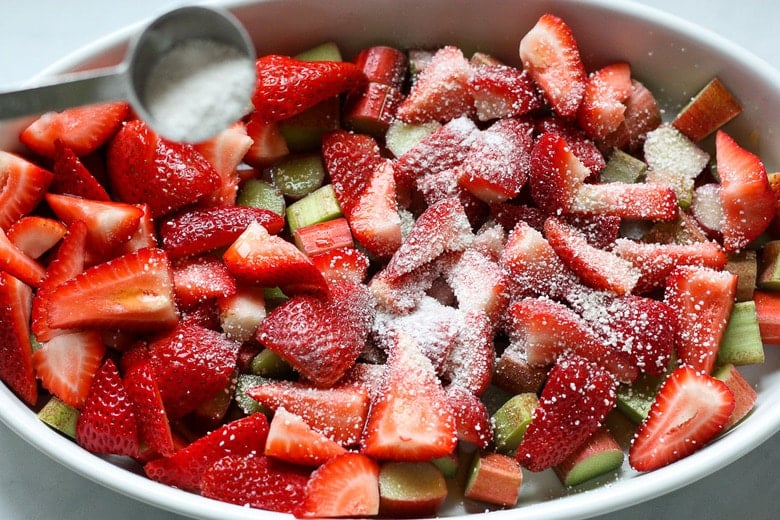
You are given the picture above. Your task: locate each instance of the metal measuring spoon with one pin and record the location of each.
(130, 79)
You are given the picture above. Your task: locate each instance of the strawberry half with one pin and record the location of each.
(201, 279)
(321, 337)
(185, 468)
(16, 367)
(286, 86)
(550, 54)
(16, 263)
(224, 152)
(350, 160)
(602, 109)
(22, 186)
(82, 129)
(501, 91)
(145, 168)
(71, 177)
(346, 486)
(256, 481)
(35, 235)
(374, 219)
(132, 292)
(690, 409)
(292, 440)
(153, 427)
(556, 174)
(574, 402)
(106, 423)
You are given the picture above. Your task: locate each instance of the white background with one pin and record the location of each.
(35, 33)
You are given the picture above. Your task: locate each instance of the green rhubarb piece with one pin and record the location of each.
(511, 420)
(634, 400)
(682, 185)
(448, 464)
(299, 175)
(401, 137)
(623, 167)
(327, 51)
(318, 206)
(599, 455)
(411, 489)
(303, 132)
(268, 363)
(768, 277)
(494, 478)
(260, 194)
(741, 343)
(273, 297)
(247, 404)
(744, 264)
(60, 416)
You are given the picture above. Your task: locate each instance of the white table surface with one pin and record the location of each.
(34, 33)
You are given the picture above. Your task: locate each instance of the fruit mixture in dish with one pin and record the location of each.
(412, 277)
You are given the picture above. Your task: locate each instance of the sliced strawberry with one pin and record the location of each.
(602, 109)
(442, 149)
(441, 91)
(16, 263)
(106, 423)
(472, 419)
(478, 283)
(67, 363)
(133, 292)
(16, 368)
(202, 230)
(548, 332)
(256, 481)
(472, 359)
(497, 166)
(442, 227)
(268, 143)
(689, 410)
(23, 186)
(574, 402)
(342, 264)
(346, 486)
(374, 218)
(292, 440)
(410, 419)
(82, 129)
(200, 279)
(556, 174)
(747, 199)
(703, 299)
(597, 268)
(320, 337)
(634, 201)
(350, 160)
(35, 235)
(153, 427)
(109, 223)
(185, 468)
(436, 187)
(642, 115)
(225, 151)
(144, 236)
(583, 147)
(339, 412)
(271, 261)
(71, 177)
(501, 91)
(145, 168)
(191, 364)
(656, 261)
(400, 295)
(550, 54)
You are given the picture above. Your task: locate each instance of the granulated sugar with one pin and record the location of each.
(198, 88)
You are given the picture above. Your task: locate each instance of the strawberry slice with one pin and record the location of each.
(106, 423)
(338, 412)
(256, 481)
(23, 186)
(550, 54)
(690, 409)
(34, 235)
(145, 168)
(441, 92)
(144, 236)
(67, 363)
(344, 264)
(472, 419)
(350, 160)
(583, 146)
(200, 279)
(82, 129)
(496, 167)
(556, 174)
(268, 143)
(374, 219)
(501, 91)
(16, 263)
(574, 402)
(410, 419)
(202, 230)
(286, 86)
(472, 359)
(133, 292)
(224, 152)
(71, 177)
(185, 468)
(346, 486)
(602, 109)
(292, 440)
(597, 268)
(321, 337)
(634, 201)
(153, 427)
(272, 261)
(478, 283)
(703, 299)
(16, 368)
(109, 223)
(191, 364)
(747, 199)
(642, 115)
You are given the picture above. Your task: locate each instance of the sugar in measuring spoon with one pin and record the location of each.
(189, 74)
